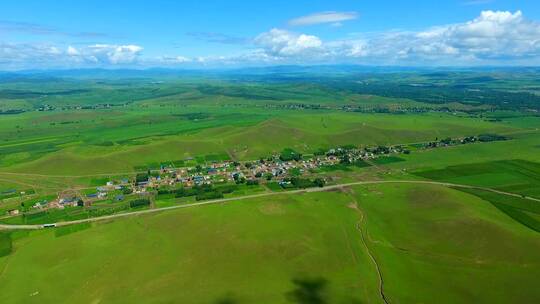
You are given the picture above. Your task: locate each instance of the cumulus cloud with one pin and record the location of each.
(20, 55)
(323, 17)
(492, 37)
(71, 51)
(106, 53)
(284, 43)
(28, 55)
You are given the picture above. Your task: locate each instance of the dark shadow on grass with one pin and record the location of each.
(308, 291)
(227, 299)
(6, 245)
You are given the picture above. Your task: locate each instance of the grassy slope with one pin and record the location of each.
(430, 242)
(141, 136)
(438, 244)
(247, 251)
(526, 212)
(91, 159)
(523, 146)
(516, 176)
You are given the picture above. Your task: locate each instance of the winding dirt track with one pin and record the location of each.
(225, 200)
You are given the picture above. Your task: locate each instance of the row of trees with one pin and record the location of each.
(466, 140)
(201, 192)
(302, 183)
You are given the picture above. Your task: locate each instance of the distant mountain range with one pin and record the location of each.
(292, 71)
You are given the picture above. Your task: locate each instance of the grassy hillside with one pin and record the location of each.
(120, 140)
(438, 243)
(403, 243)
(245, 252)
(429, 242)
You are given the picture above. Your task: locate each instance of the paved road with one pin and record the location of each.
(225, 200)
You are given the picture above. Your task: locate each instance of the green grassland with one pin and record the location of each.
(429, 242)
(523, 211)
(438, 243)
(140, 122)
(521, 146)
(68, 145)
(516, 176)
(246, 252)
(121, 141)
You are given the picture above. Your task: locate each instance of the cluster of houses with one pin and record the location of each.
(274, 168)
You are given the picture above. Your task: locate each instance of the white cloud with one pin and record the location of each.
(493, 37)
(113, 54)
(26, 55)
(104, 54)
(17, 55)
(182, 59)
(71, 51)
(279, 42)
(323, 17)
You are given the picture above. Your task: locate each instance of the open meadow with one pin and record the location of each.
(423, 242)
(259, 170)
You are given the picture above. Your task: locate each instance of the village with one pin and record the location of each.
(288, 169)
(284, 169)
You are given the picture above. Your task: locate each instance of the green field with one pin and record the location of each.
(202, 120)
(516, 176)
(439, 242)
(395, 242)
(523, 211)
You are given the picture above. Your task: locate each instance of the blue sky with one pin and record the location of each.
(219, 33)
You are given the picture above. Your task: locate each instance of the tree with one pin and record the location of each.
(252, 182)
(139, 203)
(142, 177)
(319, 182)
(345, 159)
(289, 154)
(446, 141)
